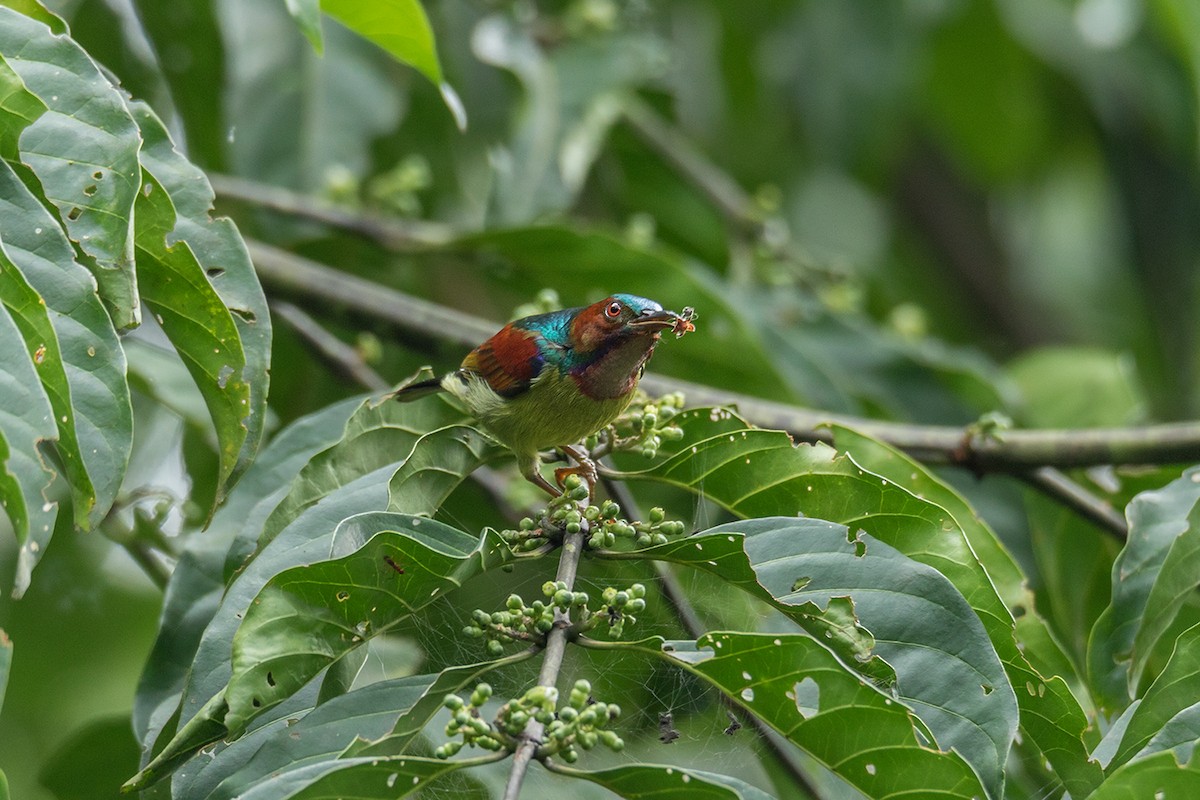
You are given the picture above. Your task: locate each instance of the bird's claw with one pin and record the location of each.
(584, 468)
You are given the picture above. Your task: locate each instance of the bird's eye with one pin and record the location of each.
(613, 310)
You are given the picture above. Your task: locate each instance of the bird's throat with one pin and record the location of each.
(616, 371)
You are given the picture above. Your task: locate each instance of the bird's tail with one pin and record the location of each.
(415, 391)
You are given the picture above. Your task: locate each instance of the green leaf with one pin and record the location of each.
(922, 626)
(396, 709)
(72, 344)
(1078, 387)
(362, 778)
(799, 688)
(663, 782)
(307, 617)
(1155, 776)
(307, 14)
(1179, 734)
(437, 464)
(759, 473)
(308, 538)
(380, 432)
(93, 761)
(1154, 573)
(198, 580)
(400, 27)
(24, 476)
(220, 252)
(83, 150)
(1173, 691)
(35, 10)
(175, 287)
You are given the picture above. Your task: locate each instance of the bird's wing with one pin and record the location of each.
(509, 361)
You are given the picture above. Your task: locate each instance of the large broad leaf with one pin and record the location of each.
(662, 782)
(1173, 691)
(393, 711)
(373, 778)
(922, 626)
(1153, 575)
(72, 345)
(1159, 775)
(221, 254)
(759, 473)
(83, 150)
(307, 617)
(801, 689)
(379, 433)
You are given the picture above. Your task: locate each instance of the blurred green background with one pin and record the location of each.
(946, 207)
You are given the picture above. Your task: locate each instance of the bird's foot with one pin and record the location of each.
(585, 468)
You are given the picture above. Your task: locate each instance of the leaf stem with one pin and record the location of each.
(552, 658)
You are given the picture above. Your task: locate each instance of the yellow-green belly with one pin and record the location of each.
(552, 413)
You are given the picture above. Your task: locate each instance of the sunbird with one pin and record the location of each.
(550, 380)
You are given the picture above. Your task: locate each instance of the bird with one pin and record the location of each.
(550, 380)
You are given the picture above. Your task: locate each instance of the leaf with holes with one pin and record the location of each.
(221, 253)
(307, 617)
(83, 151)
(635, 781)
(756, 472)
(1155, 572)
(801, 689)
(71, 343)
(199, 325)
(394, 711)
(922, 626)
(1158, 776)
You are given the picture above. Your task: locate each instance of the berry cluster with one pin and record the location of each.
(581, 724)
(605, 525)
(643, 427)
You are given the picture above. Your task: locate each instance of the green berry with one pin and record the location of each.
(635, 606)
(614, 712)
(494, 648)
(612, 741)
(591, 513)
(637, 590)
(572, 482)
(562, 598)
(452, 702)
(609, 509)
(515, 603)
(579, 599)
(548, 588)
(568, 714)
(643, 540)
(569, 755)
(573, 527)
(471, 632)
(621, 598)
(657, 515)
(544, 716)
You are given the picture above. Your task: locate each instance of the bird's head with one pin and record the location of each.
(620, 317)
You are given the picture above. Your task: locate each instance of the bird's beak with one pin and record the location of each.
(655, 320)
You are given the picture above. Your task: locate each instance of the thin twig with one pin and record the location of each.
(675, 595)
(552, 658)
(339, 356)
(389, 232)
(1012, 451)
(143, 554)
(1075, 496)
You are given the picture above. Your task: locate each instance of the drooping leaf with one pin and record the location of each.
(175, 287)
(309, 616)
(759, 473)
(73, 347)
(24, 476)
(1173, 691)
(922, 626)
(400, 27)
(307, 14)
(802, 690)
(1155, 571)
(437, 464)
(220, 252)
(83, 150)
(661, 782)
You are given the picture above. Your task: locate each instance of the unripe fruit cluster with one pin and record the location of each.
(466, 721)
(602, 520)
(581, 724)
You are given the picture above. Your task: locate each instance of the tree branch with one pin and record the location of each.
(1073, 495)
(399, 235)
(552, 658)
(1010, 451)
(338, 356)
